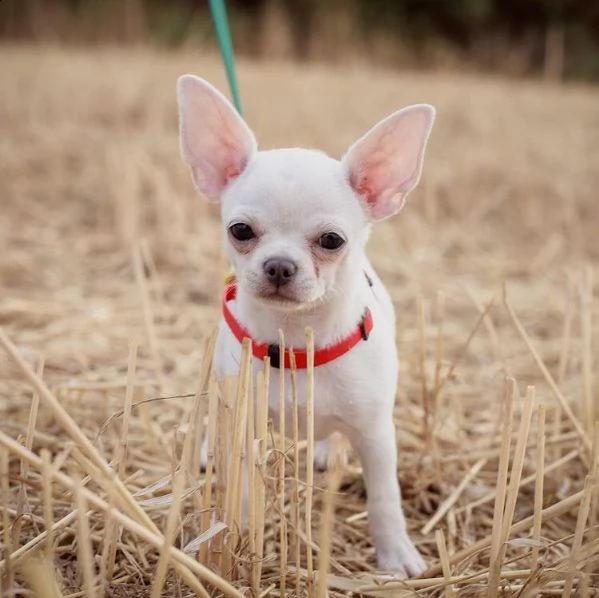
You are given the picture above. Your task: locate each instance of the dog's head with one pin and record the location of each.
(296, 220)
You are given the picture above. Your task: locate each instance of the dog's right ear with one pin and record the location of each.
(215, 141)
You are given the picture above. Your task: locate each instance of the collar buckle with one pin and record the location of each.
(362, 325)
(274, 352)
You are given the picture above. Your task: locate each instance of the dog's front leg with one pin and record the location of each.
(377, 450)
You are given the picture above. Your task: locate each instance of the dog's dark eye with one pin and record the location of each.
(331, 241)
(242, 231)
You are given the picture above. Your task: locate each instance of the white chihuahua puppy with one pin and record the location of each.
(296, 224)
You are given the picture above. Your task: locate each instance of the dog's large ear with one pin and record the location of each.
(215, 141)
(385, 165)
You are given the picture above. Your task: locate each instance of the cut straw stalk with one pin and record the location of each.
(169, 535)
(586, 327)
(309, 455)
(502, 471)
(237, 476)
(566, 332)
(195, 428)
(223, 464)
(426, 399)
(186, 567)
(7, 578)
(540, 473)
(583, 514)
(444, 558)
(148, 259)
(110, 541)
(452, 530)
(488, 322)
(281, 481)
(250, 467)
(109, 548)
(437, 397)
(129, 390)
(326, 526)
(31, 425)
(208, 480)
(519, 453)
(440, 342)
(263, 385)
(548, 378)
(295, 494)
(148, 314)
(190, 455)
(39, 576)
(594, 464)
(593, 532)
(501, 534)
(157, 441)
(85, 559)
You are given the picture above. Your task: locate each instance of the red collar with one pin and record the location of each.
(321, 356)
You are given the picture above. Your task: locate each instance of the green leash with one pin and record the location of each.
(221, 24)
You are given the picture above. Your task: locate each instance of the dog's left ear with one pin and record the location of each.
(385, 165)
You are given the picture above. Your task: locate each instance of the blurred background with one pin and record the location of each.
(549, 38)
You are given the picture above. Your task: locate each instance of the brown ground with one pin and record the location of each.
(102, 241)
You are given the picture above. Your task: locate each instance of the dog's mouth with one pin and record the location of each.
(286, 297)
(278, 298)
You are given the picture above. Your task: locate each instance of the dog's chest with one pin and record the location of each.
(334, 407)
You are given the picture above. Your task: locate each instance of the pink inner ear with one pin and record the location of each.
(376, 179)
(232, 172)
(381, 202)
(364, 188)
(232, 164)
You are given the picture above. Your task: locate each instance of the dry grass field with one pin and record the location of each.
(110, 277)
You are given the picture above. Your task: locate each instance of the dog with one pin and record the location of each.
(296, 223)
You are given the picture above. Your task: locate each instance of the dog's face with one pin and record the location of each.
(292, 226)
(296, 221)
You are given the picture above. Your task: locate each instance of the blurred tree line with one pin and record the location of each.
(553, 38)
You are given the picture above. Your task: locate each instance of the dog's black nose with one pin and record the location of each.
(279, 271)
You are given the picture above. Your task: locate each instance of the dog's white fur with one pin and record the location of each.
(290, 198)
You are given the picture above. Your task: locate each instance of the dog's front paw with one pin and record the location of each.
(321, 455)
(204, 455)
(403, 560)
(328, 451)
